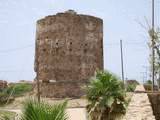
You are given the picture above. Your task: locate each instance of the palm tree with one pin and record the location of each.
(33, 110)
(106, 97)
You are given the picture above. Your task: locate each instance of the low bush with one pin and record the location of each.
(131, 87)
(148, 82)
(106, 97)
(4, 98)
(34, 110)
(148, 87)
(18, 89)
(14, 90)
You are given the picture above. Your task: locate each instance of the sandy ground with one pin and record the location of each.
(73, 113)
(77, 114)
(75, 108)
(72, 103)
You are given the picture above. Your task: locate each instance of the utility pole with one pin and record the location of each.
(159, 72)
(153, 45)
(122, 68)
(37, 71)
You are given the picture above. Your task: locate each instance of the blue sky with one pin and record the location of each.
(121, 21)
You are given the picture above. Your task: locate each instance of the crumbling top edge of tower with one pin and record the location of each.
(68, 12)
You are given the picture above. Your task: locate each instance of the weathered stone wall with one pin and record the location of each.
(69, 47)
(63, 89)
(155, 101)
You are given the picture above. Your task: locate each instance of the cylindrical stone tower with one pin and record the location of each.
(69, 49)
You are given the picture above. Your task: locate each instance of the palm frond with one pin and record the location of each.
(33, 110)
(105, 93)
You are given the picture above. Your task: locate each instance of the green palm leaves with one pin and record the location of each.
(105, 95)
(33, 110)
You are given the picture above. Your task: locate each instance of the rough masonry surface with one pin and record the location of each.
(69, 49)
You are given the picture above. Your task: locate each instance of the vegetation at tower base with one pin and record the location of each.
(14, 90)
(106, 97)
(18, 89)
(33, 110)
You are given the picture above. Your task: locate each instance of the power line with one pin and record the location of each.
(31, 45)
(17, 49)
(7, 71)
(127, 43)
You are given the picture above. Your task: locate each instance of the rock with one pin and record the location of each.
(3, 84)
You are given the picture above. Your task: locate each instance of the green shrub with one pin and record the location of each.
(131, 87)
(106, 97)
(33, 110)
(148, 87)
(18, 89)
(5, 98)
(148, 82)
(7, 95)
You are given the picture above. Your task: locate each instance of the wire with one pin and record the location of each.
(127, 43)
(17, 49)
(12, 71)
(31, 45)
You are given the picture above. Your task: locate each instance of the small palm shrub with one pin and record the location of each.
(34, 110)
(131, 87)
(106, 97)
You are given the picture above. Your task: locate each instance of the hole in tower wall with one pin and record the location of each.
(44, 50)
(85, 47)
(70, 49)
(56, 44)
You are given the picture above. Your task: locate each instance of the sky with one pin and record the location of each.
(122, 19)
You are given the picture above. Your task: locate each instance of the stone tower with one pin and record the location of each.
(69, 49)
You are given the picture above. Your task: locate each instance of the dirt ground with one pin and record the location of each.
(75, 108)
(72, 103)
